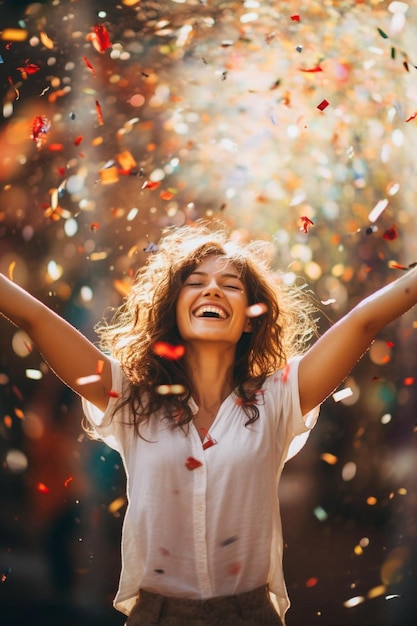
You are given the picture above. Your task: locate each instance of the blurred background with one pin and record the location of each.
(295, 123)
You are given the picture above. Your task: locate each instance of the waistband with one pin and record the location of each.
(243, 603)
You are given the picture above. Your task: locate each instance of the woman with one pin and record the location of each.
(205, 387)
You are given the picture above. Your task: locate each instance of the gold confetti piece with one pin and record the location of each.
(371, 500)
(109, 175)
(14, 34)
(116, 505)
(126, 160)
(99, 256)
(46, 41)
(375, 592)
(392, 570)
(165, 390)
(88, 380)
(358, 550)
(331, 459)
(11, 269)
(19, 413)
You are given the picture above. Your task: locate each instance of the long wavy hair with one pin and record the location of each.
(148, 316)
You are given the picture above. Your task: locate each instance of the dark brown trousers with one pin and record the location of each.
(253, 608)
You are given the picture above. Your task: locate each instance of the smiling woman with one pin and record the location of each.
(205, 386)
(196, 267)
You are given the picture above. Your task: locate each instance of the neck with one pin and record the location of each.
(211, 374)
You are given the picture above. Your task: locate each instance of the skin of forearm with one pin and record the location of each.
(388, 303)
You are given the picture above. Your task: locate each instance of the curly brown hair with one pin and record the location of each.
(148, 316)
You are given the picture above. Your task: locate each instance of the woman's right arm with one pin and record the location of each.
(67, 352)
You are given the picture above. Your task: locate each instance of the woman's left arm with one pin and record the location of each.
(327, 363)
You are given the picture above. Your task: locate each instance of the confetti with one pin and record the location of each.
(168, 351)
(99, 113)
(191, 463)
(390, 233)
(323, 105)
(170, 390)
(88, 380)
(378, 209)
(255, 310)
(102, 37)
(90, 67)
(42, 488)
(40, 127)
(306, 222)
(342, 394)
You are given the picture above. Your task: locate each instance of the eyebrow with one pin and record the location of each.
(226, 275)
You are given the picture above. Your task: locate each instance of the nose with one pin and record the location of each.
(212, 289)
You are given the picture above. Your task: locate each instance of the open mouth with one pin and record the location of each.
(213, 312)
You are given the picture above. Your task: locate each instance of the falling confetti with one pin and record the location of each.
(191, 463)
(168, 351)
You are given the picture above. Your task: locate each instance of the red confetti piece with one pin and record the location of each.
(235, 568)
(412, 117)
(396, 266)
(168, 351)
(408, 381)
(391, 233)
(306, 222)
(150, 184)
(295, 18)
(113, 394)
(191, 463)
(68, 481)
(103, 37)
(166, 195)
(210, 441)
(285, 373)
(99, 113)
(56, 147)
(90, 67)
(78, 140)
(94, 226)
(323, 105)
(312, 582)
(30, 68)
(40, 126)
(390, 344)
(42, 488)
(312, 70)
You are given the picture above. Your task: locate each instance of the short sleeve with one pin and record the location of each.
(107, 425)
(295, 427)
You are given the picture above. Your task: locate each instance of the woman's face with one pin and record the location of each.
(212, 305)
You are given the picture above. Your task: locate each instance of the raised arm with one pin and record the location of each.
(331, 358)
(68, 353)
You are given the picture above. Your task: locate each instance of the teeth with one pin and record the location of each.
(213, 310)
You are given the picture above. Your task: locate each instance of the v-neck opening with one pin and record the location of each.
(194, 408)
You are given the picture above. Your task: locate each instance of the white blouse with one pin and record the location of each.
(203, 519)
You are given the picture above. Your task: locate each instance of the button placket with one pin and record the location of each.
(200, 519)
